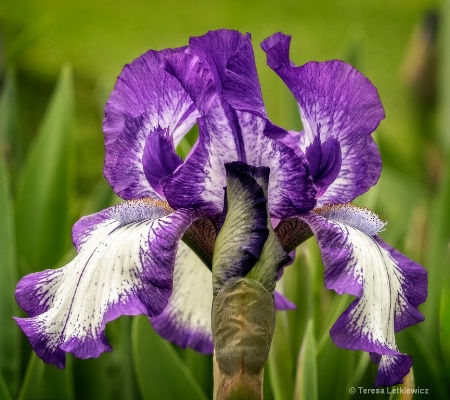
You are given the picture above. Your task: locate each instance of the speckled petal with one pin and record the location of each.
(233, 127)
(124, 266)
(144, 98)
(388, 286)
(335, 100)
(229, 56)
(186, 320)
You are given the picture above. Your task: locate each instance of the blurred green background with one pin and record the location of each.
(58, 63)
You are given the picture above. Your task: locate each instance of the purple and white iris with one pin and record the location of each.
(131, 259)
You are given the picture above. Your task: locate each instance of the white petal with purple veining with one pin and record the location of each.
(124, 266)
(382, 296)
(186, 320)
(388, 286)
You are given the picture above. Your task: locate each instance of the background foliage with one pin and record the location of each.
(58, 64)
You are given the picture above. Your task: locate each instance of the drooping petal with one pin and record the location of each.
(124, 266)
(186, 320)
(231, 129)
(144, 98)
(335, 100)
(391, 369)
(389, 287)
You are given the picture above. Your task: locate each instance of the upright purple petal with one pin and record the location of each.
(325, 160)
(229, 56)
(124, 266)
(199, 181)
(159, 159)
(144, 98)
(232, 128)
(388, 286)
(194, 77)
(335, 100)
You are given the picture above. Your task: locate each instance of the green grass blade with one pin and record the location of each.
(306, 385)
(44, 381)
(4, 392)
(111, 375)
(9, 335)
(12, 142)
(43, 190)
(280, 366)
(200, 366)
(444, 317)
(160, 372)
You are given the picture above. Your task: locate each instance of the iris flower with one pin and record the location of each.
(131, 258)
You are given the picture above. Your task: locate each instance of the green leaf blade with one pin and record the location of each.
(43, 188)
(12, 140)
(9, 336)
(44, 381)
(160, 372)
(307, 384)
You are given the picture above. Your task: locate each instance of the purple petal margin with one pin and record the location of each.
(144, 98)
(335, 100)
(124, 266)
(389, 287)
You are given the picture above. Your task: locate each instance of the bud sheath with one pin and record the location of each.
(243, 319)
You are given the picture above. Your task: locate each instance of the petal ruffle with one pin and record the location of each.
(389, 287)
(335, 100)
(144, 98)
(229, 56)
(124, 266)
